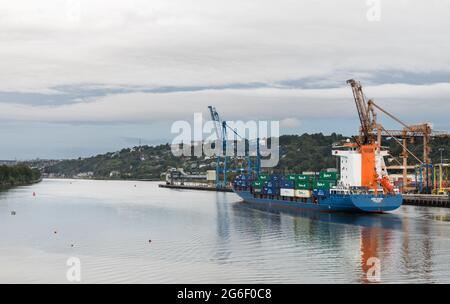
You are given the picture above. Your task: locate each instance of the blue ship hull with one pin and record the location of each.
(355, 203)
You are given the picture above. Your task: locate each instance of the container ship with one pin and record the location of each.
(362, 185)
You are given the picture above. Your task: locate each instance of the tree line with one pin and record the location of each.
(298, 153)
(17, 175)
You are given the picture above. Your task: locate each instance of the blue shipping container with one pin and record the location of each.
(276, 177)
(270, 191)
(320, 192)
(272, 184)
(288, 184)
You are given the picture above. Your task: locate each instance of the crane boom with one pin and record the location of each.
(217, 122)
(365, 112)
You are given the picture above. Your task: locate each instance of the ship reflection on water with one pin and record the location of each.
(403, 245)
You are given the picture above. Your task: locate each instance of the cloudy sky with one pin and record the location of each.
(81, 77)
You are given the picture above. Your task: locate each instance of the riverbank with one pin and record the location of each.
(9, 186)
(15, 176)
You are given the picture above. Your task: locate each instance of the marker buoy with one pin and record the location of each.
(34, 193)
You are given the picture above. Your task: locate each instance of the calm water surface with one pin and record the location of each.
(206, 237)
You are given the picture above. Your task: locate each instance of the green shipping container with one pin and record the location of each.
(304, 178)
(302, 185)
(291, 177)
(257, 184)
(263, 177)
(324, 184)
(328, 175)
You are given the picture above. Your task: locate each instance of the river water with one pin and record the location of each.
(135, 232)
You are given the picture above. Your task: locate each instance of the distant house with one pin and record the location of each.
(85, 174)
(114, 173)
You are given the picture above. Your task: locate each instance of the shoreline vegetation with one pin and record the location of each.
(18, 175)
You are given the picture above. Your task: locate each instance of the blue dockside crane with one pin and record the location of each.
(222, 135)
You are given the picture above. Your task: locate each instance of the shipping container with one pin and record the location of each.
(272, 184)
(242, 183)
(276, 178)
(304, 178)
(321, 192)
(291, 177)
(303, 193)
(287, 184)
(257, 184)
(263, 177)
(323, 184)
(287, 192)
(270, 191)
(328, 176)
(305, 185)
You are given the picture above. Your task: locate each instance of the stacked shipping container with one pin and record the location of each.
(291, 185)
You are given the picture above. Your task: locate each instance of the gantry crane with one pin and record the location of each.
(221, 135)
(410, 133)
(220, 128)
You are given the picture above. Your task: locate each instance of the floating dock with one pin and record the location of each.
(195, 187)
(427, 200)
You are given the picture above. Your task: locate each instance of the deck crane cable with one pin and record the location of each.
(372, 103)
(406, 149)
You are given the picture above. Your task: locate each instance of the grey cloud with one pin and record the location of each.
(171, 43)
(137, 62)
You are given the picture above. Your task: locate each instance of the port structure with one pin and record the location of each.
(372, 132)
(221, 129)
(178, 174)
(441, 175)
